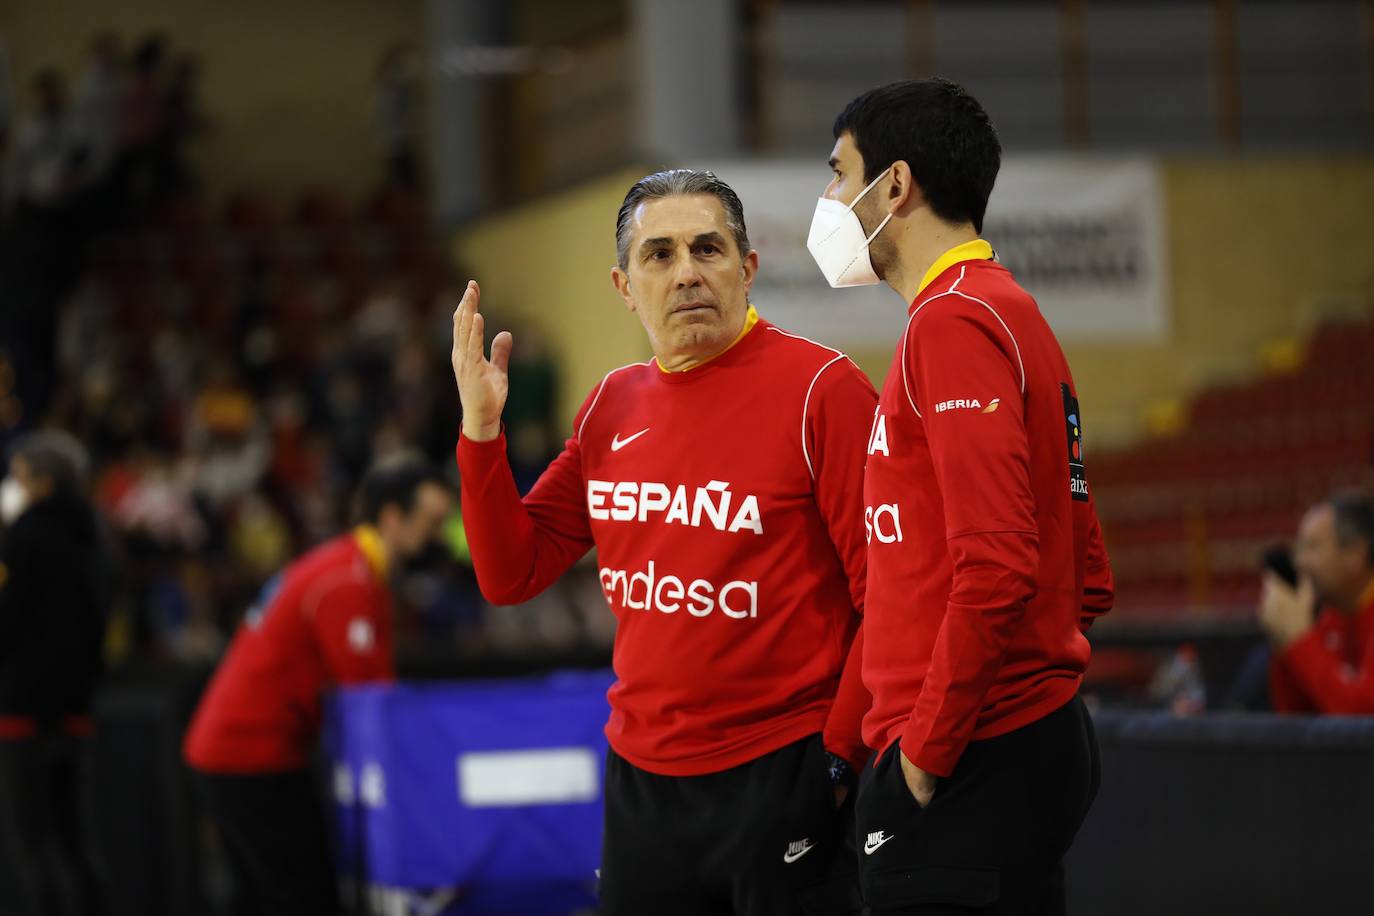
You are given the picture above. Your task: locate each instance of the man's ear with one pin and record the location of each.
(389, 516)
(621, 281)
(749, 268)
(903, 194)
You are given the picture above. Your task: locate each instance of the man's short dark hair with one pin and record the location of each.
(1354, 517)
(940, 131)
(394, 481)
(675, 183)
(55, 456)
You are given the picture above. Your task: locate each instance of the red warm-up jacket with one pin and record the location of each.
(325, 620)
(985, 558)
(725, 505)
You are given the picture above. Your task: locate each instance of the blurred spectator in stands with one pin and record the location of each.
(183, 120)
(53, 592)
(423, 410)
(1322, 631)
(6, 107)
(190, 628)
(326, 620)
(148, 499)
(229, 449)
(378, 325)
(141, 112)
(298, 463)
(44, 163)
(43, 176)
(351, 421)
(85, 329)
(398, 114)
(142, 118)
(97, 103)
(155, 503)
(531, 427)
(259, 540)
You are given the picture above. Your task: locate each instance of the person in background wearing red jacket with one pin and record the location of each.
(985, 558)
(720, 484)
(1324, 662)
(325, 620)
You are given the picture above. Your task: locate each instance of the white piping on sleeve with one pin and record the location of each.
(806, 406)
(597, 398)
(952, 291)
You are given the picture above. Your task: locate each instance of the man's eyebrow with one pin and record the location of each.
(666, 242)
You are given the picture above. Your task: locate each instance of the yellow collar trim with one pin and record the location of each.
(370, 543)
(1367, 599)
(751, 318)
(976, 250)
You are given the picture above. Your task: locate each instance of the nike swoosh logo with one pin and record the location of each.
(618, 443)
(870, 847)
(789, 858)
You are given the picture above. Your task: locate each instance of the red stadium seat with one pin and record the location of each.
(1185, 517)
(324, 209)
(399, 211)
(184, 216)
(248, 212)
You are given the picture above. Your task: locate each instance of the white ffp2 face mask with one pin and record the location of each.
(838, 244)
(13, 500)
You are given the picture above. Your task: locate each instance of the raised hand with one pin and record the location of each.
(482, 383)
(1286, 613)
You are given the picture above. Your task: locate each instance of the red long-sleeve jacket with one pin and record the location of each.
(724, 504)
(985, 562)
(325, 620)
(1330, 669)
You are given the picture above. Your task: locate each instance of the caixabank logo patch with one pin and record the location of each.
(1078, 476)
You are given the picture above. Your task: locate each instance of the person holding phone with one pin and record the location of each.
(1320, 622)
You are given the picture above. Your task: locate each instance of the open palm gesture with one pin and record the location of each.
(482, 383)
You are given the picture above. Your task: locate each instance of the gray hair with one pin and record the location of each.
(1354, 520)
(674, 183)
(55, 455)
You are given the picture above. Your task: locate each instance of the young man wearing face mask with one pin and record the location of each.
(1324, 662)
(985, 559)
(720, 485)
(323, 621)
(54, 579)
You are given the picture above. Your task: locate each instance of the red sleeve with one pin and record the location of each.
(844, 727)
(958, 350)
(519, 547)
(1335, 686)
(353, 632)
(839, 417)
(1099, 589)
